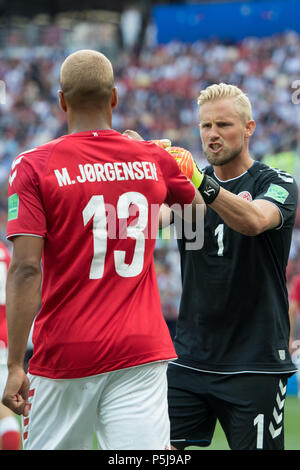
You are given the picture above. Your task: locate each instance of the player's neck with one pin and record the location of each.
(234, 168)
(81, 122)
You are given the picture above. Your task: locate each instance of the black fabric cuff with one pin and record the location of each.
(209, 189)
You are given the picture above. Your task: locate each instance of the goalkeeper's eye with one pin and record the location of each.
(205, 125)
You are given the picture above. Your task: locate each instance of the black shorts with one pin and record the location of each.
(249, 407)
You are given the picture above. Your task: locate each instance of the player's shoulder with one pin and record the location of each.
(276, 184)
(161, 157)
(32, 162)
(151, 147)
(37, 152)
(144, 147)
(134, 142)
(263, 171)
(35, 157)
(265, 175)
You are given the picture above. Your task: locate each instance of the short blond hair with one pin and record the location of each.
(86, 78)
(223, 90)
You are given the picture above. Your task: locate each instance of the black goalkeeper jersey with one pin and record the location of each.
(234, 308)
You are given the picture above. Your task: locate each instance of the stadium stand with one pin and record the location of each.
(158, 89)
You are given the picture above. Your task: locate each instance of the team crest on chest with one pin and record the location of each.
(245, 195)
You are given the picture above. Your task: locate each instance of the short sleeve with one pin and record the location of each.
(26, 215)
(281, 189)
(179, 189)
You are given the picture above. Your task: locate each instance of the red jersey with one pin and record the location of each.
(4, 263)
(295, 290)
(94, 197)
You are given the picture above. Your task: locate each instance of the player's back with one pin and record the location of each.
(93, 185)
(96, 197)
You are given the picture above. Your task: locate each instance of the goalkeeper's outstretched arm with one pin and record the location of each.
(247, 217)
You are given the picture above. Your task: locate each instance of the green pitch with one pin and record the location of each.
(291, 422)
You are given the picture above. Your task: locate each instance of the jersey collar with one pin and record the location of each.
(252, 170)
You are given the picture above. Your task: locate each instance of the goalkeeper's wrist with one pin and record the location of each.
(208, 188)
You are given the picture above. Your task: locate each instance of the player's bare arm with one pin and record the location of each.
(293, 310)
(22, 302)
(248, 218)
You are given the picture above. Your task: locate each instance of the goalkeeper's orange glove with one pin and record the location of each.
(207, 186)
(187, 164)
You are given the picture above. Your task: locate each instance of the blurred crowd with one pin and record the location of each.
(158, 89)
